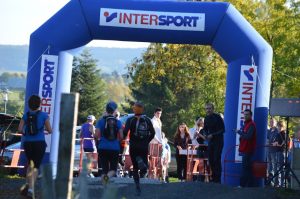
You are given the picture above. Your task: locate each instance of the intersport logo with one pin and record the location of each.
(152, 20)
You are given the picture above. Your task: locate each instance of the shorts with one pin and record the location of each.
(88, 150)
(109, 160)
(35, 152)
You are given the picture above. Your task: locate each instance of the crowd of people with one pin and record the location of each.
(106, 138)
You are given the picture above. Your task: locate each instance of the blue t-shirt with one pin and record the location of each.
(104, 143)
(40, 136)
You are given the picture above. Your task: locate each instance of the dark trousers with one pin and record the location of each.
(247, 178)
(181, 166)
(214, 157)
(35, 152)
(134, 153)
(108, 160)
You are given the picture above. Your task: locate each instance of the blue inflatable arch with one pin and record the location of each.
(206, 23)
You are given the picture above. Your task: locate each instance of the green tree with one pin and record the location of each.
(278, 21)
(117, 90)
(180, 79)
(87, 81)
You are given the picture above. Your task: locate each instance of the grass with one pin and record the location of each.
(171, 179)
(7, 176)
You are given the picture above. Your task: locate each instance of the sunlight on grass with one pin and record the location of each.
(173, 179)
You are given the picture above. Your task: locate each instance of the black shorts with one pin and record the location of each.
(35, 152)
(109, 160)
(88, 149)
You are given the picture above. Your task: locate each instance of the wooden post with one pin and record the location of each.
(67, 129)
(47, 182)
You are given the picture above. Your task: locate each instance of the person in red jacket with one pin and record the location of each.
(247, 148)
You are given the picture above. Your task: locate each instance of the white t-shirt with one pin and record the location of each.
(157, 127)
(192, 134)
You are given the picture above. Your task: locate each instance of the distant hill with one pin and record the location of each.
(14, 58)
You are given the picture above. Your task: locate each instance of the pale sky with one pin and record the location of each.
(19, 18)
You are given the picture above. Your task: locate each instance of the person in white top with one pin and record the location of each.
(195, 130)
(165, 158)
(157, 126)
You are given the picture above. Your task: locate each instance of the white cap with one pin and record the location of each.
(91, 117)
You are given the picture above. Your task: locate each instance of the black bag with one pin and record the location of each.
(110, 128)
(142, 129)
(32, 124)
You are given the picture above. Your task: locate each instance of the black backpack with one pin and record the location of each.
(142, 129)
(32, 124)
(110, 128)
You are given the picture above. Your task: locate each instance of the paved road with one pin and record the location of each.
(190, 190)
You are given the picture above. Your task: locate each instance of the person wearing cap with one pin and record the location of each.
(109, 144)
(141, 133)
(87, 133)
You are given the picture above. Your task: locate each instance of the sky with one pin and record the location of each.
(19, 18)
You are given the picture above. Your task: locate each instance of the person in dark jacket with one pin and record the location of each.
(214, 129)
(247, 148)
(141, 133)
(181, 140)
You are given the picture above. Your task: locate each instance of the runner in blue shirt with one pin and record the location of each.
(109, 132)
(33, 140)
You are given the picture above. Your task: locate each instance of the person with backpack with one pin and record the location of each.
(32, 127)
(141, 133)
(109, 132)
(87, 133)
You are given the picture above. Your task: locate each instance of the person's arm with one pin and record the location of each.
(189, 140)
(169, 153)
(97, 134)
(152, 131)
(120, 130)
(127, 127)
(21, 126)
(91, 129)
(247, 135)
(176, 144)
(48, 126)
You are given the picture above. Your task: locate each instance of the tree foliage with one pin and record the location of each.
(87, 81)
(117, 89)
(180, 79)
(278, 21)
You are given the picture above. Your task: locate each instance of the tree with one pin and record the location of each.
(87, 81)
(180, 79)
(117, 90)
(278, 21)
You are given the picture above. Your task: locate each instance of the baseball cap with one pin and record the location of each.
(91, 117)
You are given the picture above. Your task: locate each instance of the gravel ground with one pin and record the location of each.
(9, 188)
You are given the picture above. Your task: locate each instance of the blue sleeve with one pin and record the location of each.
(24, 117)
(119, 125)
(98, 124)
(45, 116)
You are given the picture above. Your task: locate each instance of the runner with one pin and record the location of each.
(141, 133)
(87, 132)
(109, 131)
